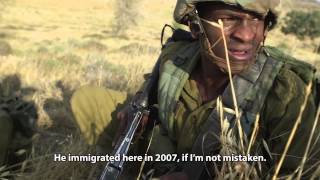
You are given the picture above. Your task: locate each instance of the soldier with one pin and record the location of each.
(194, 73)
(18, 118)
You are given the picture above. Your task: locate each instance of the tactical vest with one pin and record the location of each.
(178, 59)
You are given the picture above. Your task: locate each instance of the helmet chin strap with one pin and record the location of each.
(236, 66)
(207, 52)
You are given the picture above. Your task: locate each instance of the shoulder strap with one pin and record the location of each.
(175, 71)
(307, 72)
(303, 69)
(177, 35)
(252, 87)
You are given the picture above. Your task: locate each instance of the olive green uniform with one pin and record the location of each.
(183, 115)
(276, 120)
(17, 126)
(93, 106)
(95, 111)
(6, 127)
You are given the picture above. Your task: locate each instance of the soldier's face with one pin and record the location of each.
(244, 32)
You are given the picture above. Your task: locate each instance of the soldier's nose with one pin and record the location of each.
(245, 32)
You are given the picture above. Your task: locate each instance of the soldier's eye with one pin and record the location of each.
(255, 19)
(230, 21)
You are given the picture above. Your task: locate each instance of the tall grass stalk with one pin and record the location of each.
(309, 143)
(229, 145)
(293, 132)
(254, 133)
(143, 162)
(235, 104)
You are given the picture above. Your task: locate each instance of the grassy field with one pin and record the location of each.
(54, 47)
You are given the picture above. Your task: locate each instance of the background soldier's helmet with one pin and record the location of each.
(265, 7)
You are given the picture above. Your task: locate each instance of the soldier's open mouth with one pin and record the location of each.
(242, 55)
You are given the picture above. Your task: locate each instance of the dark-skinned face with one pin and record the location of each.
(244, 32)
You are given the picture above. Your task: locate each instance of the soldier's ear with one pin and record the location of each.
(264, 36)
(265, 33)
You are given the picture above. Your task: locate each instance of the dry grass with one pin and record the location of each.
(57, 46)
(230, 143)
(292, 133)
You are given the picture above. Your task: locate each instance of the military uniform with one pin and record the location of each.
(93, 107)
(6, 131)
(184, 117)
(17, 126)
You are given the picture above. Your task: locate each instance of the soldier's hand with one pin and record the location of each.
(125, 120)
(122, 117)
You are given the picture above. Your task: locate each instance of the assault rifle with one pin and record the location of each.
(138, 108)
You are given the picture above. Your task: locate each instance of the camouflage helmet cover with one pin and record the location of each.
(184, 7)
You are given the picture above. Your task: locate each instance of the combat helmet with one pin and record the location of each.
(267, 8)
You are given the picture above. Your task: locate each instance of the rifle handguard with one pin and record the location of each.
(139, 108)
